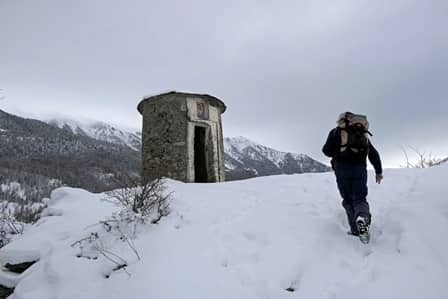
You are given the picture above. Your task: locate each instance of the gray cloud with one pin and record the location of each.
(285, 69)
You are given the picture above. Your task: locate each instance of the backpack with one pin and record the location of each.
(354, 131)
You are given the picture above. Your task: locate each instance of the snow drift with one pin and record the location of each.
(248, 239)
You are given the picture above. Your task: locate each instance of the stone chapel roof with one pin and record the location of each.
(217, 101)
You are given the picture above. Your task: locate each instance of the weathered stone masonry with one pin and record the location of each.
(182, 137)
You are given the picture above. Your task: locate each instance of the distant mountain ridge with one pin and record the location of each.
(443, 161)
(245, 158)
(99, 130)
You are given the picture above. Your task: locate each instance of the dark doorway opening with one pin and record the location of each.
(200, 155)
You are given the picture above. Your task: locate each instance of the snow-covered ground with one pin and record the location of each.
(249, 239)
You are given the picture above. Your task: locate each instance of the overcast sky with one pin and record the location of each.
(285, 69)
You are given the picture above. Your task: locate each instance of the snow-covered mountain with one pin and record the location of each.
(245, 158)
(100, 131)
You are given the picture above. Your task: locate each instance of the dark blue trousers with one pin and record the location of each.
(352, 184)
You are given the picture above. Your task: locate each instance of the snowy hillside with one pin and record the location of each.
(100, 131)
(244, 157)
(250, 239)
(33, 153)
(443, 161)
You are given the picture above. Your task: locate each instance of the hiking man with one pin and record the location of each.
(349, 146)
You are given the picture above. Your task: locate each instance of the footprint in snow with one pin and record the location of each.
(259, 238)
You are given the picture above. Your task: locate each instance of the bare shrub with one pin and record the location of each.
(9, 226)
(139, 204)
(27, 213)
(147, 201)
(423, 160)
(97, 244)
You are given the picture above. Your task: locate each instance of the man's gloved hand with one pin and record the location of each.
(379, 178)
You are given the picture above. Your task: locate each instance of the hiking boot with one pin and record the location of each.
(363, 229)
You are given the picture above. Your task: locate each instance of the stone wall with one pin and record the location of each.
(164, 138)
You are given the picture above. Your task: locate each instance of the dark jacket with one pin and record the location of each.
(332, 149)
